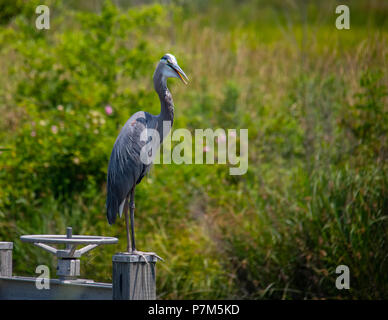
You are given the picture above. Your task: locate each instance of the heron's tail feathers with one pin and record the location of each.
(111, 210)
(111, 214)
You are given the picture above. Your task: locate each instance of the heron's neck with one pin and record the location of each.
(166, 103)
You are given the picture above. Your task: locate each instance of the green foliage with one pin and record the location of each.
(9, 9)
(313, 99)
(72, 78)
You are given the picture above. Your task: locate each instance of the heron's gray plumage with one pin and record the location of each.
(125, 168)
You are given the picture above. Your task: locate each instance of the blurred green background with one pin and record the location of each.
(314, 99)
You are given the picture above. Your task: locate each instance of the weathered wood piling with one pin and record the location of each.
(6, 259)
(134, 276)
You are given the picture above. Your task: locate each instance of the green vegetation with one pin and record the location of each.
(313, 98)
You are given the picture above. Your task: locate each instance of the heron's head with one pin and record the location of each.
(170, 68)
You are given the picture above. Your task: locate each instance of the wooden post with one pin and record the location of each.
(133, 277)
(6, 259)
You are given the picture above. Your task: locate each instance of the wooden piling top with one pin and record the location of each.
(128, 257)
(6, 245)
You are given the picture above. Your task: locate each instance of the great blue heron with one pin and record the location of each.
(126, 169)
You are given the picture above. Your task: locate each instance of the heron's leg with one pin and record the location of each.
(127, 223)
(132, 216)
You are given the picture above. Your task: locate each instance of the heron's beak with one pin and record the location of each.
(180, 73)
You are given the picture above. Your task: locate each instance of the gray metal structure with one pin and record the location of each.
(68, 267)
(24, 288)
(134, 275)
(126, 169)
(68, 286)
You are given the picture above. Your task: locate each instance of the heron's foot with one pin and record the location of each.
(143, 254)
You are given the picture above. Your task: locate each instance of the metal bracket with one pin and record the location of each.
(68, 267)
